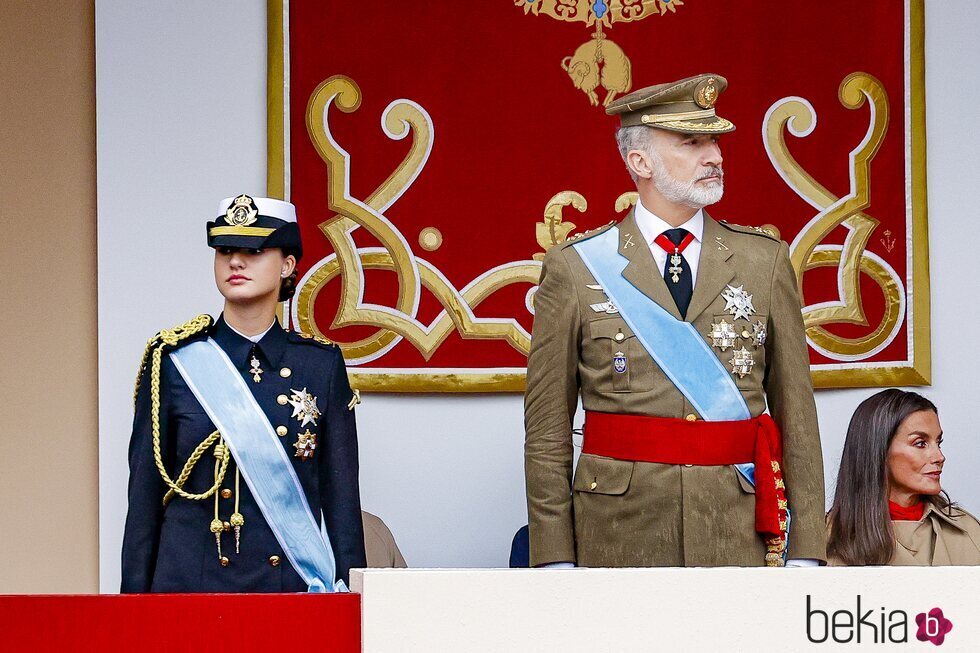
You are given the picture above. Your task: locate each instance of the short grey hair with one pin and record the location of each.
(636, 137)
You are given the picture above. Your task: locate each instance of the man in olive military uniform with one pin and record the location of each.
(680, 333)
(243, 458)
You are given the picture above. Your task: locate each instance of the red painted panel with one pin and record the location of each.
(182, 622)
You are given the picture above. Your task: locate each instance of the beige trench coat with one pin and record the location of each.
(935, 540)
(620, 513)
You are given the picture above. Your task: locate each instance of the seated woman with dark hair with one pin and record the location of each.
(889, 506)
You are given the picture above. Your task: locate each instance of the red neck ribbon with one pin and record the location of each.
(670, 247)
(901, 513)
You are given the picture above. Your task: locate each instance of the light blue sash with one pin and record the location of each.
(679, 350)
(270, 476)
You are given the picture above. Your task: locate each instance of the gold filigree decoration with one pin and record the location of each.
(552, 230)
(797, 116)
(413, 273)
(599, 61)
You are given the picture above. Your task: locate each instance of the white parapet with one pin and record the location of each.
(723, 609)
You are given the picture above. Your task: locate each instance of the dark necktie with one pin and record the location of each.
(683, 288)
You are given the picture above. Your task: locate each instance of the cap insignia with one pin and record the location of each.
(707, 94)
(242, 212)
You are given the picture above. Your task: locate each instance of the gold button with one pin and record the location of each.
(225, 526)
(691, 418)
(594, 485)
(226, 493)
(285, 372)
(274, 561)
(224, 561)
(620, 336)
(746, 334)
(282, 400)
(281, 431)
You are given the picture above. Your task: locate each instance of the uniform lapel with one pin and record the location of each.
(642, 270)
(714, 270)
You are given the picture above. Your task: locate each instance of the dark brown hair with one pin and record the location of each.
(860, 526)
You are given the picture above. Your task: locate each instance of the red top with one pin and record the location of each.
(901, 513)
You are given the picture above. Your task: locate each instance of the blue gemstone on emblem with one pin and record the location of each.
(599, 8)
(619, 362)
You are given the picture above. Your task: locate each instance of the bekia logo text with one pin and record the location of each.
(874, 625)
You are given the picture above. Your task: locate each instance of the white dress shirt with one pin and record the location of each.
(652, 226)
(254, 338)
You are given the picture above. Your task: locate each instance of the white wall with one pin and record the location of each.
(181, 124)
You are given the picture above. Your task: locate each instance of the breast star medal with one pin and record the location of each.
(619, 362)
(738, 302)
(759, 334)
(304, 407)
(741, 362)
(305, 445)
(722, 335)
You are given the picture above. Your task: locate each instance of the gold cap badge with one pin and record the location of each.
(706, 94)
(242, 212)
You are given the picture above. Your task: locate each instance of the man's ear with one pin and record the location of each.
(639, 163)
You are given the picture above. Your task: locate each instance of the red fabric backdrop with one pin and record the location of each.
(511, 130)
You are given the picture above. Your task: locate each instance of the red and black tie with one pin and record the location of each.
(677, 271)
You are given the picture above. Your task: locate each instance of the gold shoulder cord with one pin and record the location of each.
(172, 337)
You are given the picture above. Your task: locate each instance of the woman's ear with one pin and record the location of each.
(288, 266)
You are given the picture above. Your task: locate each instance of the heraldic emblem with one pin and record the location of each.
(599, 61)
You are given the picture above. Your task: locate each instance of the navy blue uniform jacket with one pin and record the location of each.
(171, 549)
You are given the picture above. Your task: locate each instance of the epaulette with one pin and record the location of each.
(312, 339)
(574, 238)
(767, 230)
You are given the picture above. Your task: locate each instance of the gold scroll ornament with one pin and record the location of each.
(413, 273)
(852, 258)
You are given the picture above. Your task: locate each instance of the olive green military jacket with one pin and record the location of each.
(621, 513)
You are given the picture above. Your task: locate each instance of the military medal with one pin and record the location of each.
(665, 244)
(255, 370)
(305, 445)
(619, 362)
(741, 362)
(304, 407)
(604, 307)
(722, 335)
(738, 302)
(759, 334)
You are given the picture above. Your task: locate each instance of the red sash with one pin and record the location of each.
(640, 438)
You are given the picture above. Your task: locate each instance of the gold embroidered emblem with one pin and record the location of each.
(242, 212)
(599, 62)
(707, 94)
(304, 407)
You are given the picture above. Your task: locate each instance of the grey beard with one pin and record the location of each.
(687, 193)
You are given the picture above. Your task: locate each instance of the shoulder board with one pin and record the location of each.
(767, 230)
(574, 238)
(306, 338)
